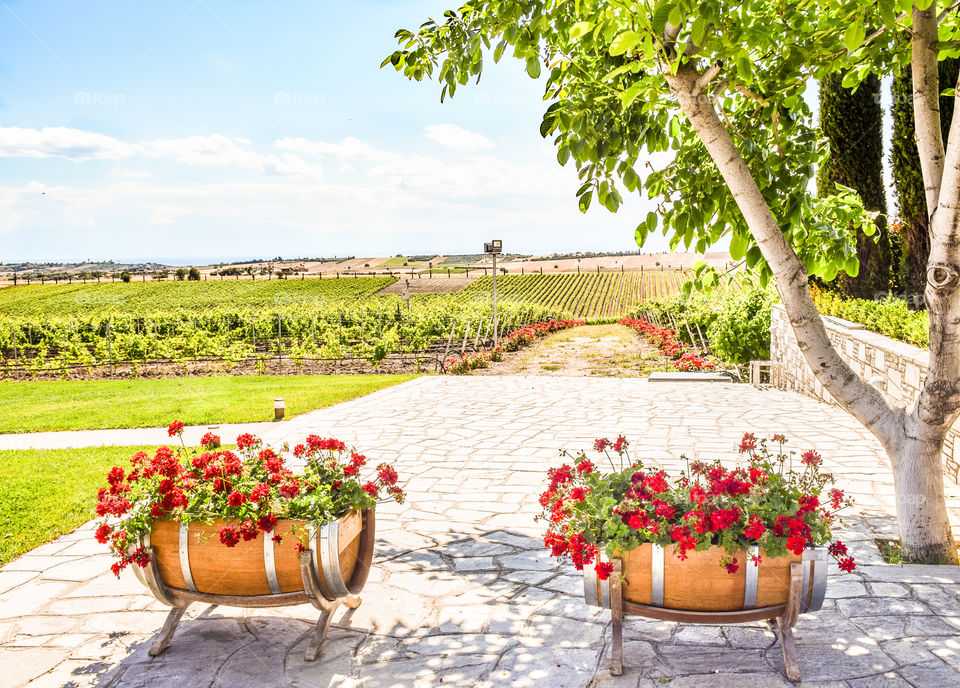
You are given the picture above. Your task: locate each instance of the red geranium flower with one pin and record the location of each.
(103, 534)
(246, 440)
(175, 429)
(229, 536)
(796, 544)
(603, 569)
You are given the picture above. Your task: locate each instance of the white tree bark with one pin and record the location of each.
(937, 406)
(926, 102)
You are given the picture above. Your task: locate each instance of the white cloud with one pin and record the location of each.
(222, 151)
(62, 142)
(457, 138)
(130, 174)
(347, 149)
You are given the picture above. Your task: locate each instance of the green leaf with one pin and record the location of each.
(852, 266)
(640, 234)
(580, 29)
(631, 94)
(698, 29)
(744, 68)
(738, 245)
(614, 73)
(624, 43)
(676, 16)
(584, 201)
(533, 66)
(854, 35)
(660, 16)
(498, 51)
(563, 154)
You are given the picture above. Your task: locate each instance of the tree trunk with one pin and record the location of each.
(925, 534)
(914, 226)
(917, 463)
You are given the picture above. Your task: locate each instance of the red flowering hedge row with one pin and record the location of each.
(518, 339)
(666, 341)
(763, 501)
(250, 490)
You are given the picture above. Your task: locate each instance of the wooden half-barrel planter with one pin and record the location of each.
(650, 582)
(188, 564)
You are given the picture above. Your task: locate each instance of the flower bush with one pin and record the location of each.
(249, 489)
(462, 364)
(763, 501)
(692, 362)
(663, 338)
(669, 345)
(530, 333)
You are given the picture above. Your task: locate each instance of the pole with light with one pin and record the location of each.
(493, 248)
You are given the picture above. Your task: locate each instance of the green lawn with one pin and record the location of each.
(82, 405)
(49, 492)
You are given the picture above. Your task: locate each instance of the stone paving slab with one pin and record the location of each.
(463, 592)
(123, 437)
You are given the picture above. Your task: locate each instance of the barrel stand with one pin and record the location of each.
(808, 580)
(325, 599)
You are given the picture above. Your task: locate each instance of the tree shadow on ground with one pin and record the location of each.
(493, 609)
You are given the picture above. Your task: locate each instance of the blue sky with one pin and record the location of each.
(200, 130)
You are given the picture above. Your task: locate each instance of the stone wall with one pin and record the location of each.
(896, 368)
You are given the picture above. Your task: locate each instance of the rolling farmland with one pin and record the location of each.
(604, 295)
(150, 297)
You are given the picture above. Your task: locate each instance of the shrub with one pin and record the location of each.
(193, 275)
(124, 276)
(890, 317)
(735, 319)
(741, 331)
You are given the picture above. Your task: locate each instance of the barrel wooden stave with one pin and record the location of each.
(701, 583)
(241, 570)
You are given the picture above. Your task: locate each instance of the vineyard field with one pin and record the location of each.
(152, 297)
(585, 295)
(46, 328)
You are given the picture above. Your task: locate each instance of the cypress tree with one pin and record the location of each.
(912, 234)
(852, 121)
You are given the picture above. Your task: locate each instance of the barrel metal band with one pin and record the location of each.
(815, 570)
(753, 571)
(604, 585)
(185, 557)
(591, 591)
(270, 564)
(656, 578)
(330, 561)
(314, 547)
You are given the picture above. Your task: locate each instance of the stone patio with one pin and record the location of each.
(463, 592)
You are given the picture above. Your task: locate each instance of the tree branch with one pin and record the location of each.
(864, 402)
(704, 79)
(926, 104)
(938, 404)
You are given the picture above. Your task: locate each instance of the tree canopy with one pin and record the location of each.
(608, 100)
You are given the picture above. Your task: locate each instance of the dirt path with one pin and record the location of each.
(588, 351)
